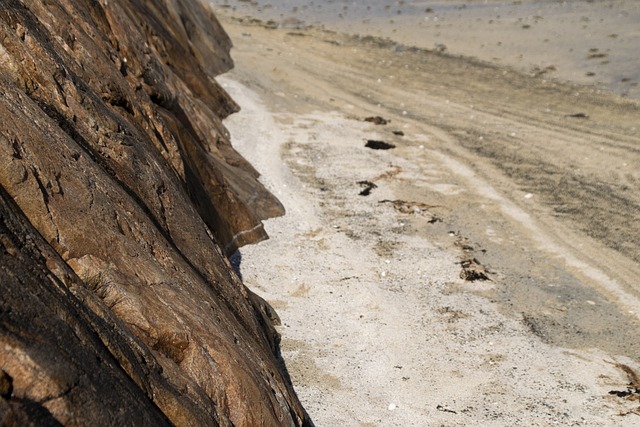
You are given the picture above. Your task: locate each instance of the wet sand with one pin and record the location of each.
(529, 179)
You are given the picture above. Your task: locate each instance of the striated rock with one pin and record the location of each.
(54, 367)
(120, 197)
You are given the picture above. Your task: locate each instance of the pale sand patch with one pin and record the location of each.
(378, 329)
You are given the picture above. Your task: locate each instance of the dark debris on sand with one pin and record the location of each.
(377, 120)
(379, 145)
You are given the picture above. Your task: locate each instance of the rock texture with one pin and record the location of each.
(120, 197)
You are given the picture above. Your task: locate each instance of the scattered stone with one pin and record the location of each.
(472, 270)
(462, 242)
(377, 120)
(398, 133)
(379, 145)
(444, 409)
(537, 71)
(577, 116)
(632, 391)
(629, 392)
(368, 186)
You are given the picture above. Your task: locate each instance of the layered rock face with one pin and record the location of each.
(120, 196)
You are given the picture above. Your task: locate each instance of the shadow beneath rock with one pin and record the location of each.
(236, 260)
(269, 319)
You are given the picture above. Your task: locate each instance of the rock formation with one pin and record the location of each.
(120, 196)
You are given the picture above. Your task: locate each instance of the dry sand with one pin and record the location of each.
(585, 41)
(533, 179)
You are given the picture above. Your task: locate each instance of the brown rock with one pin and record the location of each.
(112, 149)
(54, 367)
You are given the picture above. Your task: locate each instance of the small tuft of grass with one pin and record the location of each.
(97, 283)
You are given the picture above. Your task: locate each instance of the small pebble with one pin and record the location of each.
(392, 406)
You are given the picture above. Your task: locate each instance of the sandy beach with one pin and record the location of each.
(473, 260)
(582, 41)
